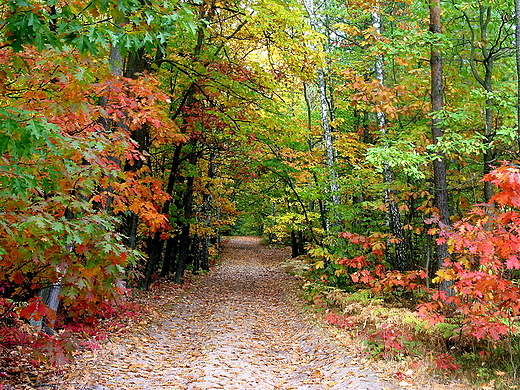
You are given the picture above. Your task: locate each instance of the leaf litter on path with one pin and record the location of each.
(242, 326)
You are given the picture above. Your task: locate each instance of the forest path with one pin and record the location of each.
(240, 327)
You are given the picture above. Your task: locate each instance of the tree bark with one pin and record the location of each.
(184, 239)
(156, 243)
(323, 217)
(489, 60)
(394, 215)
(51, 295)
(326, 115)
(207, 213)
(517, 52)
(486, 82)
(195, 251)
(294, 245)
(439, 164)
(170, 256)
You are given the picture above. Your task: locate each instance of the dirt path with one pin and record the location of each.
(240, 327)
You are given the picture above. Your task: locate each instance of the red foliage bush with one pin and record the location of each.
(341, 321)
(371, 271)
(485, 248)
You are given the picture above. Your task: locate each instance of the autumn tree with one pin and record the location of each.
(67, 139)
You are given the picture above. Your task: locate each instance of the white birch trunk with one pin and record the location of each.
(328, 140)
(393, 217)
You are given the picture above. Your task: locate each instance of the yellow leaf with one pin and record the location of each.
(319, 264)
(339, 272)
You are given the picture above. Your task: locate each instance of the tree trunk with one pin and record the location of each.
(135, 65)
(154, 254)
(294, 245)
(301, 243)
(170, 256)
(155, 244)
(207, 211)
(486, 81)
(184, 252)
(487, 84)
(393, 216)
(51, 295)
(517, 50)
(196, 242)
(204, 261)
(51, 299)
(326, 116)
(439, 164)
(185, 229)
(489, 155)
(323, 215)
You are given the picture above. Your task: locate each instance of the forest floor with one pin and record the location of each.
(241, 326)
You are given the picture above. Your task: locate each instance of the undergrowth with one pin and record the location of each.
(28, 354)
(390, 329)
(470, 326)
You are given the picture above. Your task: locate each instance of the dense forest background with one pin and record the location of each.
(377, 138)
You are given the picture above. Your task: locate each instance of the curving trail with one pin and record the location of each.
(240, 327)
